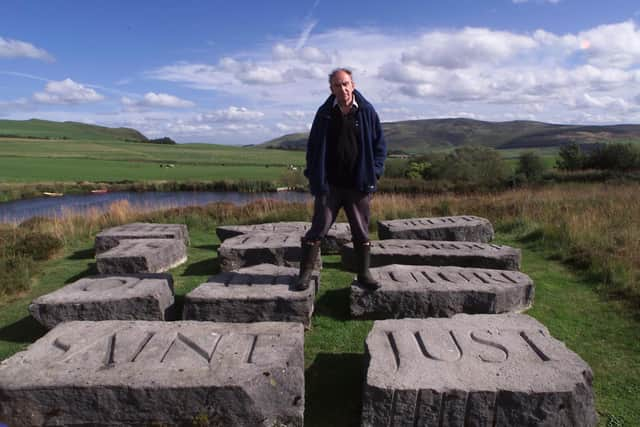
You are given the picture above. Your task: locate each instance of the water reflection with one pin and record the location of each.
(19, 210)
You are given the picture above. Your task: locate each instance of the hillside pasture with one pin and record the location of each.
(37, 160)
(36, 128)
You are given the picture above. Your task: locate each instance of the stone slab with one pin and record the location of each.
(425, 291)
(124, 297)
(157, 373)
(428, 252)
(252, 294)
(447, 228)
(109, 238)
(142, 256)
(261, 248)
(338, 235)
(480, 370)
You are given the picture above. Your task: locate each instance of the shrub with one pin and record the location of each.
(530, 165)
(571, 157)
(619, 157)
(38, 246)
(481, 166)
(15, 273)
(36, 223)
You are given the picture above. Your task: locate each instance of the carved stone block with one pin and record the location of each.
(110, 237)
(252, 294)
(157, 373)
(142, 256)
(338, 235)
(261, 248)
(480, 370)
(448, 228)
(424, 291)
(130, 297)
(437, 253)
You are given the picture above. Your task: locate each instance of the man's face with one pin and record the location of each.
(342, 87)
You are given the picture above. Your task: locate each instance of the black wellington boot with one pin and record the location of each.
(363, 261)
(310, 251)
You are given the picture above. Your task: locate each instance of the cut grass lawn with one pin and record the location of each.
(604, 333)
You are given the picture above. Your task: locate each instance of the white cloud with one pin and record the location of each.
(10, 48)
(462, 49)
(162, 100)
(231, 114)
(297, 115)
(591, 75)
(480, 72)
(67, 92)
(614, 45)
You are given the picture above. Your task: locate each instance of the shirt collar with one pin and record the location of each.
(354, 104)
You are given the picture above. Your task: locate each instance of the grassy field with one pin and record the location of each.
(107, 160)
(35, 128)
(577, 304)
(33, 170)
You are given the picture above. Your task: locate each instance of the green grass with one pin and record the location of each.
(109, 160)
(35, 128)
(604, 333)
(37, 170)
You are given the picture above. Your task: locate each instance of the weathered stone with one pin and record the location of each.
(261, 248)
(157, 373)
(142, 256)
(110, 237)
(448, 228)
(424, 291)
(252, 294)
(338, 235)
(130, 297)
(428, 252)
(480, 370)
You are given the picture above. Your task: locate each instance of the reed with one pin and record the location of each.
(592, 226)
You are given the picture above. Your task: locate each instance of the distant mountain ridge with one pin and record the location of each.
(419, 136)
(45, 129)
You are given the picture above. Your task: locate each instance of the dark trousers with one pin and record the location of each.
(326, 207)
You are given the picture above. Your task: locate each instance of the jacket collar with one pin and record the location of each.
(358, 99)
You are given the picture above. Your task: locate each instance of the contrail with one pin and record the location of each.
(304, 36)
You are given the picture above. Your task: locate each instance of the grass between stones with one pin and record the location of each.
(606, 333)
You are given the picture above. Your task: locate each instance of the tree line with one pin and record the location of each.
(480, 167)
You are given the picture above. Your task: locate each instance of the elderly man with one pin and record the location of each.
(345, 158)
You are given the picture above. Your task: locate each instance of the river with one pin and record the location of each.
(20, 210)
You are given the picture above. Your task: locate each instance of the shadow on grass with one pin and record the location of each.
(206, 267)
(334, 303)
(333, 390)
(26, 330)
(82, 254)
(332, 264)
(91, 270)
(208, 247)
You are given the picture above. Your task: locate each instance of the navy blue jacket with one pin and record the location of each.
(372, 147)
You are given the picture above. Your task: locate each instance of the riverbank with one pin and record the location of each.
(18, 191)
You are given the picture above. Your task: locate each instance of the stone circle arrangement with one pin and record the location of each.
(449, 347)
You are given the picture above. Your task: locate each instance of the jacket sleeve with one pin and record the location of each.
(379, 147)
(312, 148)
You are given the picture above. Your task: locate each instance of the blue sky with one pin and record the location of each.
(240, 72)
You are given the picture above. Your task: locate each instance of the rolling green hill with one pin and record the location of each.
(44, 129)
(419, 136)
